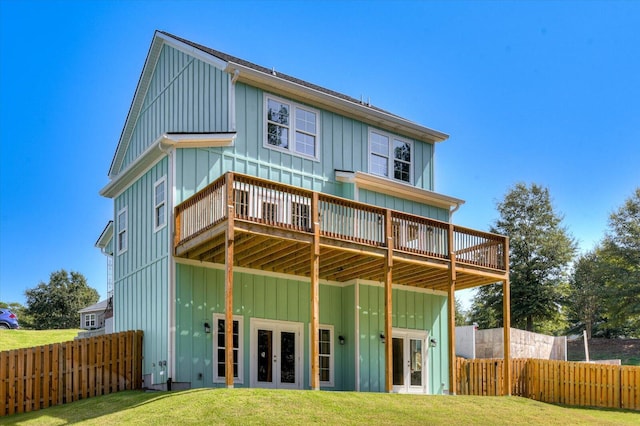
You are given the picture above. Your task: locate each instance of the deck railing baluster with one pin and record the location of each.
(288, 207)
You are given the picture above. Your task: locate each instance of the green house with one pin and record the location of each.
(295, 225)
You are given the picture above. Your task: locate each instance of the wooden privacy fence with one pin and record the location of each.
(42, 376)
(557, 382)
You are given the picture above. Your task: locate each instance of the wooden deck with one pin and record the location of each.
(273, 231)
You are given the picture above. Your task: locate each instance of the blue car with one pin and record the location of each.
(8, 319)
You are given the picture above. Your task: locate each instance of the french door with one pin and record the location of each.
(276, 354)
(409, 350)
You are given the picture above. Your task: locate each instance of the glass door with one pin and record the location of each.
(276, 348)
(409, 361)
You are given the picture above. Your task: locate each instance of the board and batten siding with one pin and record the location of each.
(403, 205)
(200, 294)
(141, 272)
(412, 309)
(185, 95)
(343, 146)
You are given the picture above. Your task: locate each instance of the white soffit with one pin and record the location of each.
(397, 189)
(158, 150)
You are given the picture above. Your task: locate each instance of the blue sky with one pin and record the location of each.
(545, 92)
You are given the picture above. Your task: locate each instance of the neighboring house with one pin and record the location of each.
(92, 317)
(293, 224)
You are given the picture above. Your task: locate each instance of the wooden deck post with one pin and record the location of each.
(388, 304)
(451, 311)
(315, 294)
(228, 284)
(506, 324)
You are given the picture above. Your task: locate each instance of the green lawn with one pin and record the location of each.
(17, 339)
(260, 406)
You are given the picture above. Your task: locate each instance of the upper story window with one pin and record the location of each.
(159, 204)
(292, 127)
(390, 156)
(122, 231)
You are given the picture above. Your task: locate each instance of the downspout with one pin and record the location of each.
(452, 211)
(232, 100)
(168, 147)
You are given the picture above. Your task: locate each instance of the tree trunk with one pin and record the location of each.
(529, 323)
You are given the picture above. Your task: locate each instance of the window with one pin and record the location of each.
(325, 354)
(390, 156)
(242, 202)
(89, 320)
(159, 204)
(122, 231)
(291, 127)
(300, 213)
(219, 349)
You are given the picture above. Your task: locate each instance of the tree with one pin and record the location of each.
(540, 252)
(584, 303)
(621, 255)
(55, 305)
(486, 307)
(461, 314)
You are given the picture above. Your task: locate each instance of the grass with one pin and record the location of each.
(18, 339)
(276, 407)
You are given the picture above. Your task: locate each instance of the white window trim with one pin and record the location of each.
(390, 157)
(240, 378)
(332, 339)
(88, 319)
(119, 249)
(292, 127)
(161, 181)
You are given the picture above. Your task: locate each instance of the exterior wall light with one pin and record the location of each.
(382, 338)
(433, 342)
(207, 328)
(341, 339)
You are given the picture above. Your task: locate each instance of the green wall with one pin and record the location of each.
(412, 309)
(184, 95)
(141, 272)
(200, 294)
(343, 146)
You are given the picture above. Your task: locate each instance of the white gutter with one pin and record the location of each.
(363, 112)
(397, 189)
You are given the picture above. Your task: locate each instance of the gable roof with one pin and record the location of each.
(96, 307)
(266, 79)
(105, 236)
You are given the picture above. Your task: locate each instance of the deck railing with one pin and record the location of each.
(288, 207)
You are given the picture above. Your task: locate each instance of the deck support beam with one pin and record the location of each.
(506, 323)
(315, 294)
(451, 314)
(228, 285)
(388, 304)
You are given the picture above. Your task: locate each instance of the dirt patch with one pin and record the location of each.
(626, 350)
